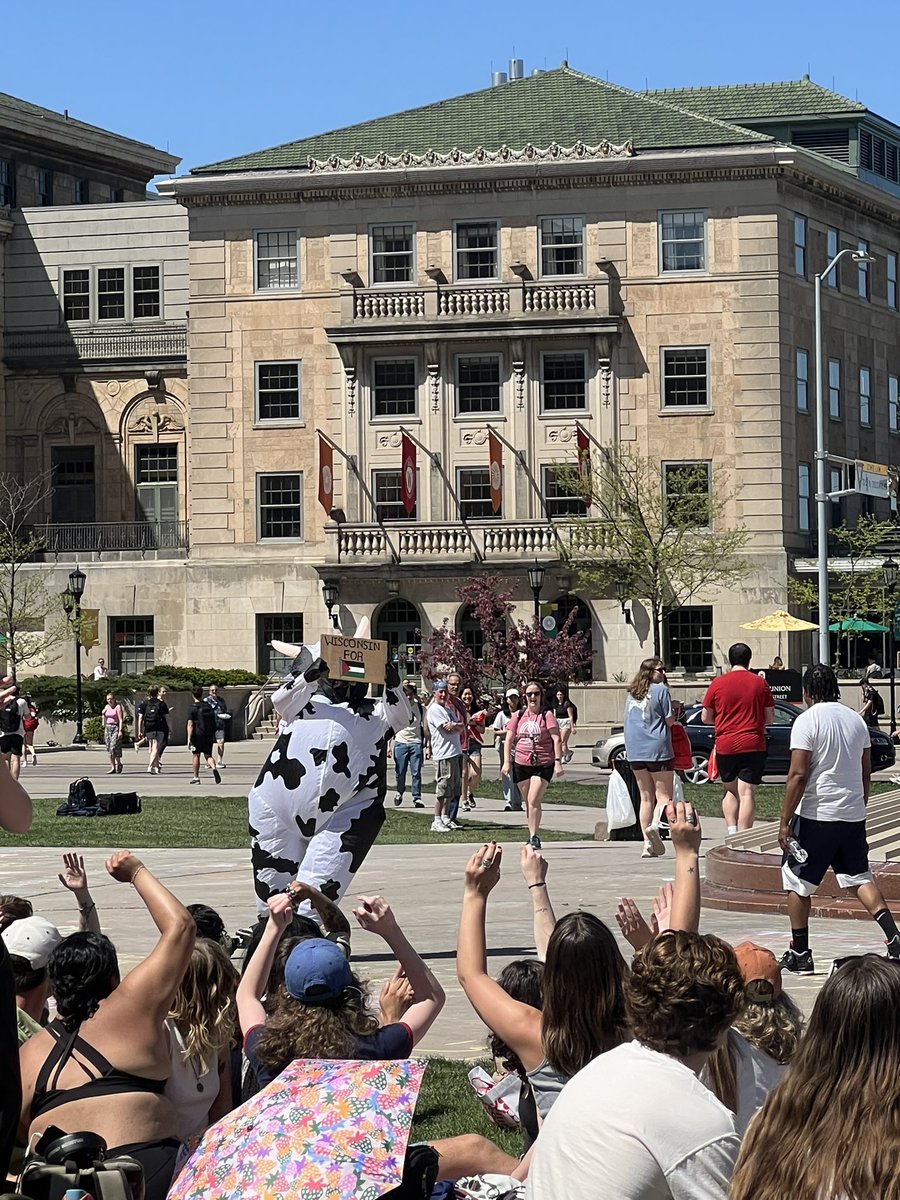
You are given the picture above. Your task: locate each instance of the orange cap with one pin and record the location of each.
(760, 970)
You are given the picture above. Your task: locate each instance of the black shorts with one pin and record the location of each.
(12, 743)
(643, 764)
(840, 845)
(747, 767)
(523, 771)
(203, 746)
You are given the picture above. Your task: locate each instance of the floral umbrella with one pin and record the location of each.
(323, 1130)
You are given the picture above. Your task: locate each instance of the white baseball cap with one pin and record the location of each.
(32, 938)
(511, 692)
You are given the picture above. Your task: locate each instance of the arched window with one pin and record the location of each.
(471, 632)
(582, 623)
(398, 624)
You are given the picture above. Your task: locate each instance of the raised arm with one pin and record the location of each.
(74, 877)
(252, 987)
(394, 708)
(333, 920)
(534, 871)
(685, 832)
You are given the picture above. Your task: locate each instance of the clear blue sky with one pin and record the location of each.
(210, 80)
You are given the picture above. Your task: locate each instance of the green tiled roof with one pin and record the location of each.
(562, 106)
(760, 101)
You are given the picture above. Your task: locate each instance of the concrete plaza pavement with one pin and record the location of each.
(422, 882)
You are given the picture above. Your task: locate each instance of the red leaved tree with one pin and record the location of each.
(512, 650)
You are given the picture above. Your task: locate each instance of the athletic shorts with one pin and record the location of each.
(203, 746)
(523, 771)
(220, 734)
(747, 767)
(12, 743)
(155, 735)
(564, 723)
(641, 764)
(840, 845)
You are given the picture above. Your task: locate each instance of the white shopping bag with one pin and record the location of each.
(499, 1097)
(619, 809)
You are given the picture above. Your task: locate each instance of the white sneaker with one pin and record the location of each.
(438, 826)
(451, 824)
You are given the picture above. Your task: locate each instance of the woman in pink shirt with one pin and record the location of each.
(534, 754)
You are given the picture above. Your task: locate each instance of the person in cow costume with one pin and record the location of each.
(318, 804)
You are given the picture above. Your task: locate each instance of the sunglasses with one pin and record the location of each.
(531, 695)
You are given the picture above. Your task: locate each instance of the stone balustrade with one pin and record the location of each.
(487, 541)
(464, 301)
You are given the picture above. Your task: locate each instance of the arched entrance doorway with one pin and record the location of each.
(398, 623)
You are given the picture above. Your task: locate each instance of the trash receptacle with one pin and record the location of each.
(631, 833)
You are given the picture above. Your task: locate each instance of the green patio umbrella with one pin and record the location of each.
(857, 625)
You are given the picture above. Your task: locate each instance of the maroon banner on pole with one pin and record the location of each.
(326, 476)
(584, 462)
(408, 474)
(495, 472)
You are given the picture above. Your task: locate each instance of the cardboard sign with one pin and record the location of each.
(355, 660)
(785, 685)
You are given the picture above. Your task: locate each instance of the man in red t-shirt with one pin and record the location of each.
(740, 705)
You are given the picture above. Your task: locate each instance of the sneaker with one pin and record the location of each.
(654, 842)
(398, 799)
(221, 765)
(512, 808)
(418, 803)
(893, 947)
(451, 825)
(196, 779)
(216, 776)
(568, 756)
(471, 800)
(438, 826)
(534, 842)
(798, 964)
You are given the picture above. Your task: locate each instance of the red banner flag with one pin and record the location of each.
(326, 475)
(495, 474)
(584, 462)
(408, 474)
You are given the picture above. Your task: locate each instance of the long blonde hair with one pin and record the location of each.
(640, 685)
(204, 1009)
(831, 1127)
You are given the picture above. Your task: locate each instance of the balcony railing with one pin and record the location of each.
(61, 346)
(489, 541)
(537, 300)
(111, 536)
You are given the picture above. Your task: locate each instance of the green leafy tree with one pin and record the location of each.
(666, 544)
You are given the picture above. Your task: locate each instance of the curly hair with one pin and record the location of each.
(640, 685)
(204, 1009)
(294, 1030)
(820, 683)
(14, 908)
(773, 1026)
(83, 971)
(523, 980)
(684, 991)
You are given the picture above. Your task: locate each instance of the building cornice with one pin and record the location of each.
(477, 157)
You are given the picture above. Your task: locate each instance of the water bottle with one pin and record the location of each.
(796, 851)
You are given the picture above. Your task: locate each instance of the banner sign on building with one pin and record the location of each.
(408, 474)
(584, 462)
(495, 472)
(326, 476)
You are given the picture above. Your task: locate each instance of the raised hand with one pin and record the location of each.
(630, 920)
(281, 910)
(662, 907)
(375, 914)
(73, 876)
(534, 865)
(123, 866)
(483, 869)
(684, 827)
(396, 997)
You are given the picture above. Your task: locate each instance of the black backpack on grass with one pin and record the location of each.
(82, 800)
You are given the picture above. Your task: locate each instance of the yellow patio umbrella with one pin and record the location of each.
(779, 622)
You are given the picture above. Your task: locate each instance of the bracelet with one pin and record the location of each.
(88, 908)
(137, 872)
(534, 885)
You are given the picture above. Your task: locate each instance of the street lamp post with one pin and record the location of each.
(536, 582)
(858, 256)
(72, 603)
(890, 570)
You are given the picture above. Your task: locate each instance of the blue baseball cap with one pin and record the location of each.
(439, 685)
(317, 972)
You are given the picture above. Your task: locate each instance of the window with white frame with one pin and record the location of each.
(682, 240)
(562, 246)
(894, 403)
(803, 381)
(834, 388)
(891, 291)
(686, 494)
(277, 260)
(865, 396)
(279, 502)
(862, 272)
(111, 293)
(560, 500)
(131, 641)
(76, 295)
(478, 386)
(145, 292)
(689, 639)
(387, 488)
(564, 382)
(278, 396)
(394, 387)
(800, 246)
(473, 486)
(477, 249)
(685, 377)
(803, 497)
(393, 253)
(832, 245)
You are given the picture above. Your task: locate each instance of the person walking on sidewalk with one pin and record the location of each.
(511, 705)
(409, 749)
(460, 713)
(113, 725)
(220, 708)
(825, 800)
(740, 706)
(201, 728)
(534, 754)
(444, 738)
(151, 720)
(648, 745)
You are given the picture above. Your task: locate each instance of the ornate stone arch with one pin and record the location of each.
(155, 416)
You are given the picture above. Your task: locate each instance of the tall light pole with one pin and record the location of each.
(330, 593)
(536, 582)
(890, 570)
(72, 602)
(858, 256)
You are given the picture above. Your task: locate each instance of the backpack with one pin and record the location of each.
(117, 804)
(205, 720)
(877, 703)
(75, 1161)
(10, 717)
(81, 801)
(152, 716)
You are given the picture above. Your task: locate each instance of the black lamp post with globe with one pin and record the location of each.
(72, 603)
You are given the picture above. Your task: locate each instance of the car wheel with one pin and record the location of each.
(615, 755)
(698, 772)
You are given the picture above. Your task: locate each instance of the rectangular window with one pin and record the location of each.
(110, 293)
(277, 260)
(117, 195)
(473, 486)
(7, 182)
(394, 387)
(832, 245)
(562, 245)
(835, 482)
(689, 639)
(685, 377)
(865, 396)
(156, 488)
(132, 644)
(803, 380)
(862, 272)
(834, 388)
(560, 501)
(393, 253)
(145, 291)
(563, 382)
(278, 392)
(803, 497)
(800, 246)
(478, 387)
(387, 488)
(276, 627)
(280, 504)
(76, 295)
(72, 477)
(682, 240)
(686, 492)
(45, 187)
(891, 266)
(477, 249)
(894, 403)
(82, 191)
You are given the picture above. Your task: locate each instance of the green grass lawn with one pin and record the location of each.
(447, 1106)
(220, 823)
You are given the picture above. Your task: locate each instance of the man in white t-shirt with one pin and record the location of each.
(444, 737)
(637, 1123)
(825, 800)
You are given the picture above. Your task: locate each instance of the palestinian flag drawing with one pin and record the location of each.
(352, 670)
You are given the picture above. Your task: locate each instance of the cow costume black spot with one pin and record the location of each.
(318, 804)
